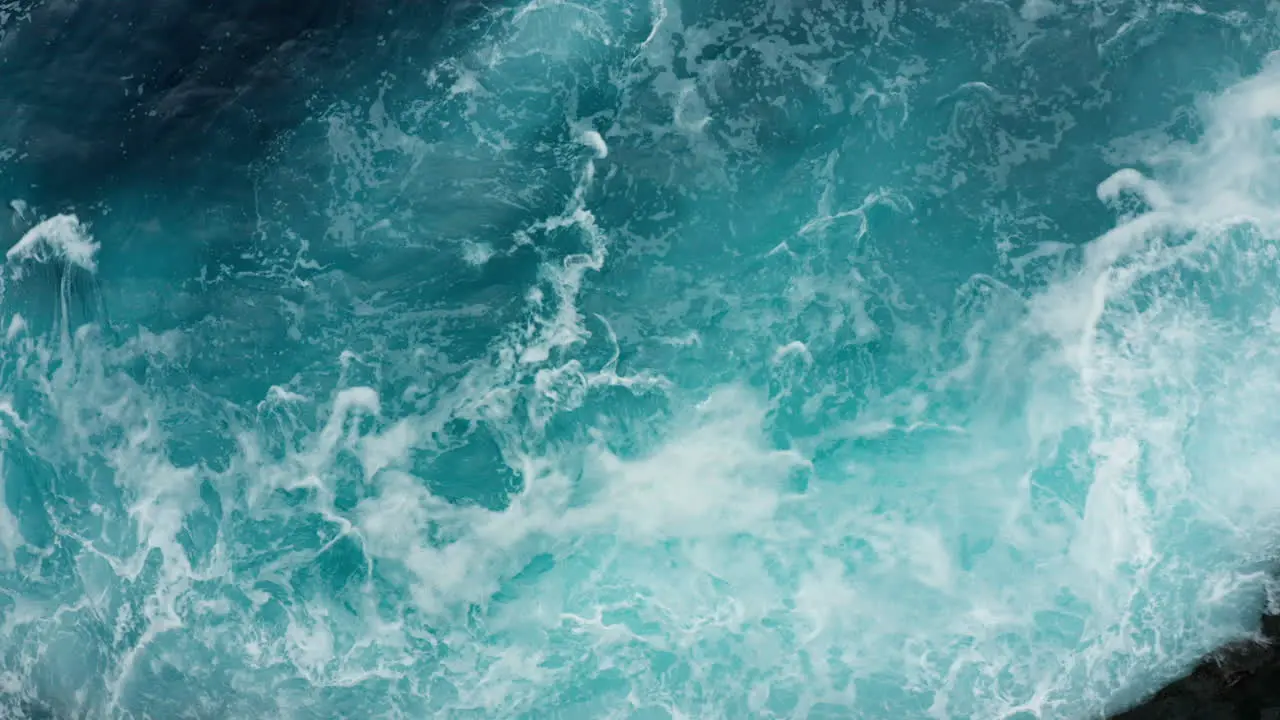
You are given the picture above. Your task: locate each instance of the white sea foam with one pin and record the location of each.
(16, 325)
(59, 237)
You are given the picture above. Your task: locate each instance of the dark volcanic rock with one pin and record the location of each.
(1240, 682)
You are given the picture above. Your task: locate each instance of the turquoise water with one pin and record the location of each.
(665, 359)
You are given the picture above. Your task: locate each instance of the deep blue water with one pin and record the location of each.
(633, 358)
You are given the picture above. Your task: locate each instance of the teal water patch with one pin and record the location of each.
(663, 360)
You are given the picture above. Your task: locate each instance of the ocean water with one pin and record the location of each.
(645, 359)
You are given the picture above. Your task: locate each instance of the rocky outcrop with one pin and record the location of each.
(1240, 682)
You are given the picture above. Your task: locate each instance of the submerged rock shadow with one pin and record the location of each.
(98, 93)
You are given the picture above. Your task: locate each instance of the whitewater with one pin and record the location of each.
(657, 359)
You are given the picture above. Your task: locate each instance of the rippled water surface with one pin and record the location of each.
(640, 359)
